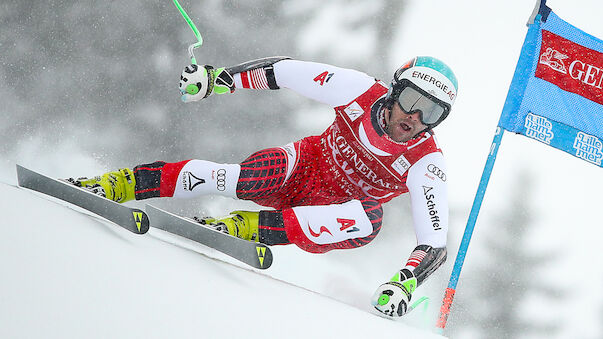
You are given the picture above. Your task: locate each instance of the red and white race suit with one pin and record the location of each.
(332, 181)
(354, 158)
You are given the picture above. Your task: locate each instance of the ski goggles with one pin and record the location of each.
(413, 99)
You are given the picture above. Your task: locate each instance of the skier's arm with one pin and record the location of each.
(429, 201)
(324, 83)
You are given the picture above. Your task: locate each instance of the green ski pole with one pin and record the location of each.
(192, 88)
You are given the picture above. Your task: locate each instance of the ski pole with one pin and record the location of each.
(192, 88)
(425, 301)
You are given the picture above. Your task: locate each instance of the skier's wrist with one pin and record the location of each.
(199, 82)
(223, 81)
(406, 278)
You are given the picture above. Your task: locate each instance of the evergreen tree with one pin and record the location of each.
(106, 76)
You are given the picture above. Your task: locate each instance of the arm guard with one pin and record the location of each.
(266, 64)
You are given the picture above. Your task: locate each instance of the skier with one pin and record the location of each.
(326, 191)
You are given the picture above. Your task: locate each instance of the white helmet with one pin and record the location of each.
(425, 85)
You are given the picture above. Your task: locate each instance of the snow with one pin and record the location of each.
(67, 273)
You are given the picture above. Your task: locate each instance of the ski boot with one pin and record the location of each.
(117, 186)
(240, 224)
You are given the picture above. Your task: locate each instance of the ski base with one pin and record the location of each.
(132, 219)
(253, 254)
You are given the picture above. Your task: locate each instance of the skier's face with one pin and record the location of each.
(402, 127)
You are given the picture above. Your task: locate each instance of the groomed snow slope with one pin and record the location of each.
(66, 274)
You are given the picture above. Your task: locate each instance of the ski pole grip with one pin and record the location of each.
(192, 88)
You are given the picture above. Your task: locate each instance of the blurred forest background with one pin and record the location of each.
(88, 87)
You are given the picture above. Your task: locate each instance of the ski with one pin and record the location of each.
(132, 219)
(253, 254)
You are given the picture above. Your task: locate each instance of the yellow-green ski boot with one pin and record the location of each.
(241, 224)
(117, 186)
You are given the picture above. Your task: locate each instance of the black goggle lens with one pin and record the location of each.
(430, 111)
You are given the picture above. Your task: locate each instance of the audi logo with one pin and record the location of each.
(221, 179)
(436, 171)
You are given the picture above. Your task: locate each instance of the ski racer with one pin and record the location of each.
(326, 191)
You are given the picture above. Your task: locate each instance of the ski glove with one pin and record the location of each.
(393, 297)
(199, 82)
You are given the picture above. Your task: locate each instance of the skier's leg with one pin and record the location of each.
(316, 229)
(256, 178)
(185, 179)
(264, 226)
(319, 229)
(260, 175)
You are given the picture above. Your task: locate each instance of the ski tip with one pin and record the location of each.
(21, 171)
(141, 220)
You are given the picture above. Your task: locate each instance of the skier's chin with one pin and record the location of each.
(402, 139)
(401, 132)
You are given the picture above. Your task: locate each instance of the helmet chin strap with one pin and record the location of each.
(387, 114)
